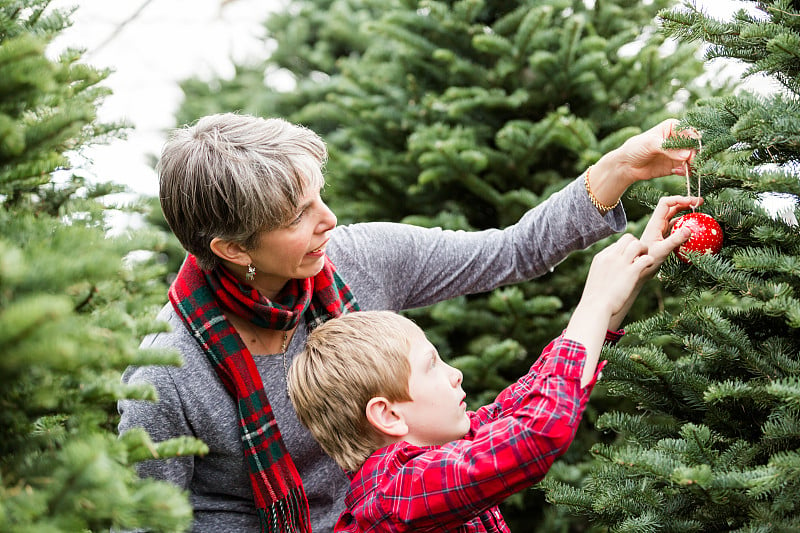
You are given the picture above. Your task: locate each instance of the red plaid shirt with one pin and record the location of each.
(510, 446)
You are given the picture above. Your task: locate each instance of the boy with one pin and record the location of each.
(375, 394)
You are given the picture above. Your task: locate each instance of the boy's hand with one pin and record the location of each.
(615, 274)
(660, 244)
(656, 235)
(611, 285)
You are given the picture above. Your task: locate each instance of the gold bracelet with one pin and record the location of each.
(603, 208)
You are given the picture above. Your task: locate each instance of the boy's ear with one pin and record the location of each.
(230, 251)
(383, 417)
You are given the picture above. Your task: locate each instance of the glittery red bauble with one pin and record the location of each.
(706, 235)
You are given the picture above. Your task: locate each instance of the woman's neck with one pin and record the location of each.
(260, 341)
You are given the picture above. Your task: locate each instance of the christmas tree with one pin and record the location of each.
(464, 115)
(72, 303)
(713, 442)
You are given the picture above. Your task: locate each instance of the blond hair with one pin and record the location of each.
(233, 176)
(348, 361)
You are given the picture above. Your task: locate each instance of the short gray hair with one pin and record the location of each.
(233, 176)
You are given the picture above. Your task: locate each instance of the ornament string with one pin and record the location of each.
(686, 171)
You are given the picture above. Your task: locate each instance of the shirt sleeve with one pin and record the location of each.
(613, 337)
(511, 394)
(531, 425)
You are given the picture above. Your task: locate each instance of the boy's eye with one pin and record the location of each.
(297, 220)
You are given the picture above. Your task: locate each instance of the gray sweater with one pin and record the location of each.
(387, 266)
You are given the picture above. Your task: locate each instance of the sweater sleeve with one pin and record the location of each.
(419, 266)
(162, 419)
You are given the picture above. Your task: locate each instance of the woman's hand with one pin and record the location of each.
(641, 157)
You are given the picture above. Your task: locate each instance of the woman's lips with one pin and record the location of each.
(318, 251)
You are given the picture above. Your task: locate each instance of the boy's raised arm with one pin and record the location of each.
(660, 243)
(612, 278)
(617, 275)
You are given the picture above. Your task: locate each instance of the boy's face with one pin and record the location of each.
(436, 413)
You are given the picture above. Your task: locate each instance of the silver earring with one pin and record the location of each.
(251, 272)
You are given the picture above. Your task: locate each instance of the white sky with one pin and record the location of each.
(167, 41)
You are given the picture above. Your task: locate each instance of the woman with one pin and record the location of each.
(267, 263)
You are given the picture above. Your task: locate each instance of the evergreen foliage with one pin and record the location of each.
(464, 114)
(71, 308)
(713, 443)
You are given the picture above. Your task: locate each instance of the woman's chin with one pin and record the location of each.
(310, 267)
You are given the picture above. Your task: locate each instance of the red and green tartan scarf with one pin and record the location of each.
(199, 298)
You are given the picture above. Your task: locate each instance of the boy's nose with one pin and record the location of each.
(457, 377)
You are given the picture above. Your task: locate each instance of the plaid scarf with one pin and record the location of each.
(199, 299)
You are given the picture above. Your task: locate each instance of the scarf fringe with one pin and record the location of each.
(287, 515)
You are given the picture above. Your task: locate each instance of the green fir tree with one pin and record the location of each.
(73, 304)
(304, 45)
(463, 115)
(713, 443)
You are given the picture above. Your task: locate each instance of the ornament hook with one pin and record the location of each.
(686, 171)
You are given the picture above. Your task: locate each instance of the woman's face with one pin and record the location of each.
(295, 251)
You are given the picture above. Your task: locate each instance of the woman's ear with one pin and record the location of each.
(230, 251)
(383, 417)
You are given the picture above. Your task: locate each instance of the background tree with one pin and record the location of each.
(464, 114)
(714, 444)
(304, 44)
(72, 305)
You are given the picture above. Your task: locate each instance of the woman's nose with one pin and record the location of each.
(328, 219)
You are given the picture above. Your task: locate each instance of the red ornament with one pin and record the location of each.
(706, 235)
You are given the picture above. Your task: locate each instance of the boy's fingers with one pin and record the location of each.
(669, 206)
(679, 237)
(619, 246)
(634, 248)
(664, 247)
(684, 202)
(644, 261)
